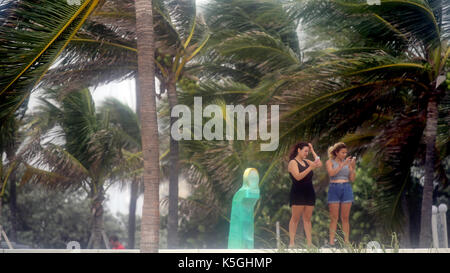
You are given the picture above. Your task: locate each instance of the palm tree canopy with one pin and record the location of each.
(33, 36)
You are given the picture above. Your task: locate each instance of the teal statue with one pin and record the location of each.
(241, 234)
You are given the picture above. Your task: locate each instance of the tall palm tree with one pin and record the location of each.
(183, 43)
(149, 127)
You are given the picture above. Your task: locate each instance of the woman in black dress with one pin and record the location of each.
(302, 196)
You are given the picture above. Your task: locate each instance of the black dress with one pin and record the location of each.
(302, 191)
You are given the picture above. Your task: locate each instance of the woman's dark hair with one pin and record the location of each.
(294, 150)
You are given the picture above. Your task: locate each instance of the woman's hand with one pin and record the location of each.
(316, 157)
(317, 163)
(347, 161)
(353, 169)
(314, 165)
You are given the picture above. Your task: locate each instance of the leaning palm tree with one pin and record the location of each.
(71, 146)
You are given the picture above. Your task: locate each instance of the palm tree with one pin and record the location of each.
(149, 126)
(183, 42)
(127, 121)
(71, 146)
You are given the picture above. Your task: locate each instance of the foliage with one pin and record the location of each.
(33, 35)
(52, 219)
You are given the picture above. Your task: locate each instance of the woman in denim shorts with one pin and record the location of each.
(341, 169)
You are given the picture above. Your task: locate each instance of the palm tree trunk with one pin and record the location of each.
(172, 221)
(138, 98)
(149, 127)
(427, 197)
(132, 213)
(134, 185)
(97, 220)
(12, 198)
(405, 239)
(13, 206)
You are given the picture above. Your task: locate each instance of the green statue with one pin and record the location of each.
(242, 219)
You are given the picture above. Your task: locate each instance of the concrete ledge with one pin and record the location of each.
(269, 251)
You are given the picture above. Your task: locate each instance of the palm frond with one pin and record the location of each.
(49, 180)
(259, 48)
(33, 35)
(395, 153)
(395, 24)
(126, 120)
(228, 18)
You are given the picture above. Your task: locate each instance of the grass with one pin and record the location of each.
(342, 247)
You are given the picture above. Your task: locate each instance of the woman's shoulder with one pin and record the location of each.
(292, 162)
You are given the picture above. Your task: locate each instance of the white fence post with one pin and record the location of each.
(443, 217)
(434, 229)
(278, 234)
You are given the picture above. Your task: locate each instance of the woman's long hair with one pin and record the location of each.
(294, 149)
(333, 150)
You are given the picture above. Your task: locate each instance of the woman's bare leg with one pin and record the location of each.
(345, 218)
(293, 223)
(334, 215)
(307, 223)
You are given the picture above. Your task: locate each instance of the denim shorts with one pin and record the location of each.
(340, 193)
